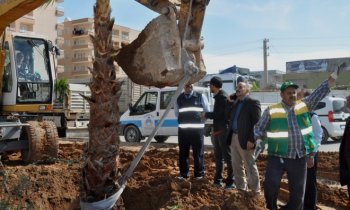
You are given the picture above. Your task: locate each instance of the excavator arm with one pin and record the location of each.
(157, 56)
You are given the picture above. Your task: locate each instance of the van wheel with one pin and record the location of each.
(161, 139)
(336, 138)
(325, 136)
(132, 134)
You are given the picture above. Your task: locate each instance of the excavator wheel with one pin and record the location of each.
(51, 144)
(35, 135)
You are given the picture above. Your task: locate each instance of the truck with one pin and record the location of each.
(73, 114)
(139, 121)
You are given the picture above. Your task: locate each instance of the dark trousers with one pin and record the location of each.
(310, 198)
(222, 155)
(348, 163)
(190, 137)
(296, 174)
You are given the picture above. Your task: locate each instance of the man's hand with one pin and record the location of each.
(250, 145)
(310, 162)
(335, 74)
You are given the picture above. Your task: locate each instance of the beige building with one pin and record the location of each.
(42, 21)
(79, 51)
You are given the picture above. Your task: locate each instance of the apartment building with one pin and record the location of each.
(79, 51)
(42, 21)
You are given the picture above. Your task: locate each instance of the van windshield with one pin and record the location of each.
(339, 106)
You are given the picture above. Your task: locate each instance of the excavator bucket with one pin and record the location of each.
(154, 58)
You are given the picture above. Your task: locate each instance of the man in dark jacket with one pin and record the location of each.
(344, 154)
(219, 134)
(190, 108)
(245, 113)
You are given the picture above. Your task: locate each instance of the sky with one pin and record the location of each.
(234, 30)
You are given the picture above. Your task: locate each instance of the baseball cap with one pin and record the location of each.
(288, 84)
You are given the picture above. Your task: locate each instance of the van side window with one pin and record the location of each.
(320, 105)
(147, 103)
(165, 98)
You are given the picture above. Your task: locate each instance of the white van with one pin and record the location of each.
(141, 118)
(333, 114)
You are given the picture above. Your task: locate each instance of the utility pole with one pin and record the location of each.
(265, 54)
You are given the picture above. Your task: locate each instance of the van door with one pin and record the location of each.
(170, 125)
(145, 110)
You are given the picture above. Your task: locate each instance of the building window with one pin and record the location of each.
(125, 35)
(115, 32)
(23, 28)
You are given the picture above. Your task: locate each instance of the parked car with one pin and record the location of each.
(333, 114)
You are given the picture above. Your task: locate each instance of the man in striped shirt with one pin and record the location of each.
(287, 129)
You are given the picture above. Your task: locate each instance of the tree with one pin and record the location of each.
(61, 89)
(100, 170)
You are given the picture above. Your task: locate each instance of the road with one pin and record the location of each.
(330, 146)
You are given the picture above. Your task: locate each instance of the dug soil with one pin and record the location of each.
(55, 184)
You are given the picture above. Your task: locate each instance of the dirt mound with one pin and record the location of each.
(55, 185)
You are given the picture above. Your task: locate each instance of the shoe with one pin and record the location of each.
(181, 178)
(257, 193)
(230, 186)
(219, 185)
(198, 178)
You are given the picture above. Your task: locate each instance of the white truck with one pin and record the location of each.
(139, 121)
(73, 115)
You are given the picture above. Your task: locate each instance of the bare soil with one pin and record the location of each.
(55, 184)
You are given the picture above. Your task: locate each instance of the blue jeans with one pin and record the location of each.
(194, 138)
(296, 174)
(222, 154)
(310, 198)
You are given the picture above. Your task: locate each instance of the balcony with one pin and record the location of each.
(59, 26)
(83, 46)
(59, 69)
(82, 60)
(59, 11)
(81, 32)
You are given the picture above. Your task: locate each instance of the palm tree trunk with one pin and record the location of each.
(101, 165)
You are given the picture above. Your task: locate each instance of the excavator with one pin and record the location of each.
(27, 76)
(166, 51)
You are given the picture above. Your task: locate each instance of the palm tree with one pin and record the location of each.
(61, 89)
(100, 170)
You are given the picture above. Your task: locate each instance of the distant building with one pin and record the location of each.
(275, 77)
(311, 73)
